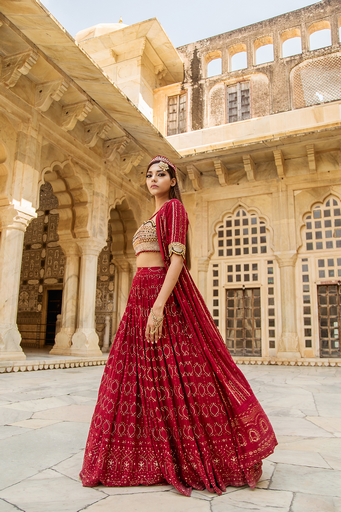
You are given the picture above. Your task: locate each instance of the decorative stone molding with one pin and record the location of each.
(279, 161)
(16, 65)
(90, 246)
(73, 113)
(115, 147)
(48, 92)
(195, 177)
(94, 131)
(50, 364)
(13, 218)
(311, 157)
(249, 167)
(203, 264)
(221, 172)
(286, 260)
(55, 364)
(130, 161)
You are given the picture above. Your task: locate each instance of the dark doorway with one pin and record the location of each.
(54, 308)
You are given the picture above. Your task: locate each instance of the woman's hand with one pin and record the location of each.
(170, 281)
(150, 336)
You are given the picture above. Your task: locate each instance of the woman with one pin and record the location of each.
(172, 406)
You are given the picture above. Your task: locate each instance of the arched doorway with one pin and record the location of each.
(42, 272)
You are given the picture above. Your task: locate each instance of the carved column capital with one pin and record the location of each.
(90, 246)
(286, 259)
(203, 264)
(70, 247)
(14, 218)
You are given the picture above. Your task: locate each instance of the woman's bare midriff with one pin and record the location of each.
(149, 259)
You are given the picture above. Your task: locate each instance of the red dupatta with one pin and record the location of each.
(253, 433)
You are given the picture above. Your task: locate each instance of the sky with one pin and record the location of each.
(184, 21)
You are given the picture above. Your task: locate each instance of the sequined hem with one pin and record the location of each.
(166, 411)
(177, 248)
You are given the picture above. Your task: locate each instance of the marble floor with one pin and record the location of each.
(44, 420)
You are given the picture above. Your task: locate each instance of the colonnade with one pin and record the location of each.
(77, 335)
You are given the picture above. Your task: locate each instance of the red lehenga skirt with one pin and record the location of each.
(162, 414)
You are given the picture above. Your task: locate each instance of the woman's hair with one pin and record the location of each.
(175, 193)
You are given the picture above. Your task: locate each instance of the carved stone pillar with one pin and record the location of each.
(63, 338)
(12, 226)
(288, 343)
(85, 339)
(124, 270)
(203, 264)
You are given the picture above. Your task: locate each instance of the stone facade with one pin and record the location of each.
(261, 162)
(259, 157)
(67, 128)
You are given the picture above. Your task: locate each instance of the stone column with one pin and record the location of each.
(203, 264)
(288, 343)
(85, 339)
(123, 286)
(63, 338)
(12, 225)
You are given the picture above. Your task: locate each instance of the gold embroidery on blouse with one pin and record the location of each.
(145, 238)
(176, 248)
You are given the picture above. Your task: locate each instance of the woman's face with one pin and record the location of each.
(159, 181)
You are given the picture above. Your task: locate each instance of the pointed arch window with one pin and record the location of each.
(323, 227)
(242, 234)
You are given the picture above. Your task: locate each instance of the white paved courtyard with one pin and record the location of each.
(44, 420)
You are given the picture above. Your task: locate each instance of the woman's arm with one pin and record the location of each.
(170, 281)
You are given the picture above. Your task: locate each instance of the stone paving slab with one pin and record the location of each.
(44, 421)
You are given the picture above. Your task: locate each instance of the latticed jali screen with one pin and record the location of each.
(317, 81)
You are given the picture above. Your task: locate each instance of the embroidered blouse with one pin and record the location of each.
(145, 239)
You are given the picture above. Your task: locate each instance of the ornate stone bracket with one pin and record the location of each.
(279, 161)
(115, 147)
(16, 65)
(94, 131)
(73, 113)
(130, 161)
(195, 176)
(311, 157)
(47, 92)
(249, 167)
(160, 71)
(221, 172)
